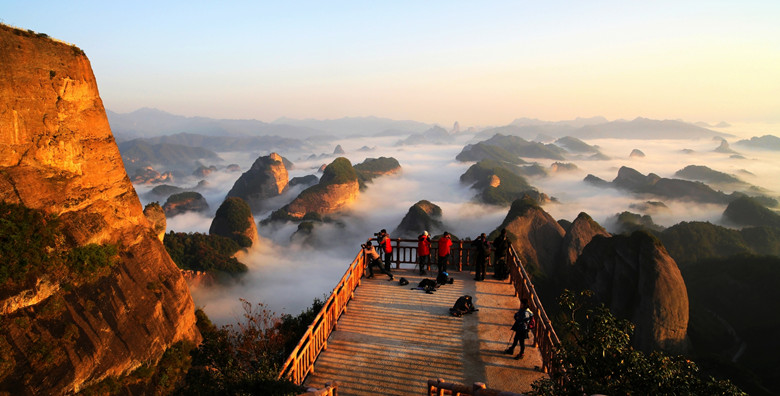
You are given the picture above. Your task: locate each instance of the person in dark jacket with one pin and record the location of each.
(482, 248)
(501, 245)
(520, 327)
(424, 251)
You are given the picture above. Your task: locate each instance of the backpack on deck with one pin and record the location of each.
(443, 278)
(463, 306)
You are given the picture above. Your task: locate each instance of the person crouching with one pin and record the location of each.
(373, 260)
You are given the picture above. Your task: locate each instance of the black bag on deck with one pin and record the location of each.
(443, 278)
(462, 306)
(403, 282)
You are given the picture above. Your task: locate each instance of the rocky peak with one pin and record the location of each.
(57, 155)
(338, 187)
(637, 279)
(535, 234)
(422, 216)
(267, 178)
(188, 201)
(234, 220)
(636, 153)
(156, 216)
(581, 232)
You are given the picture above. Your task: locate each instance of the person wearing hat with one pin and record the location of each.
(424, 251)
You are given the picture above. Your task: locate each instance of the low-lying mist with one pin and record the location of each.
(287, 275)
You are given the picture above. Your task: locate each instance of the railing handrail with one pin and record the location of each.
(303, 356)
(545, 338)
(314, 340)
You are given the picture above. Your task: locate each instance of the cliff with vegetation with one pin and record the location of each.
(338, 187)
(116, 301)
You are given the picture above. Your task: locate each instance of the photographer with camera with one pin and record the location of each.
(373, 260)
(424, 251)
(445, 243)
(385, 243)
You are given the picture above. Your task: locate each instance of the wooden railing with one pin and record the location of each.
(544, 335)
(462, 254)
(302, 358)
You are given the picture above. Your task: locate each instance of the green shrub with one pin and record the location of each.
(596, 357)
(203, 252)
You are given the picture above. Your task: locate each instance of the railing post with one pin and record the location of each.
(460, 256)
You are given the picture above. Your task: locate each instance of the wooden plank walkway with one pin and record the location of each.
(392, 340)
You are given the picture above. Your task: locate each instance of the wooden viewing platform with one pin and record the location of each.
(385, 339)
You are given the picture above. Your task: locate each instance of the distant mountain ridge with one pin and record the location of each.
(638, 128)
(148, 122)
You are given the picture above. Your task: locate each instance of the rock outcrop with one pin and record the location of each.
(636, 153)
(374, 167)
(234, 220)
(156, 216)
(631, 180)
(148, 175)
(337, 188)
(535, 234)
(57, 155)
(422, 216)
(578, 235)
(637, 279)
(748, 211)
(267, 178)
(188, 201)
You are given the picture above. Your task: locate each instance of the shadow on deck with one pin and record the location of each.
(391, 340)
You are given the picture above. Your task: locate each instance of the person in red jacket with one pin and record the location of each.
(445, 242)
(386, 246)
(424, 251)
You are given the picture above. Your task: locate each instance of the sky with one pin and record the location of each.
(478, 63)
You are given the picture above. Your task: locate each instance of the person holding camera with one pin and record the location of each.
(445, 243)
(424, 251)
(373, 260)
(385, 243)
(482, 247)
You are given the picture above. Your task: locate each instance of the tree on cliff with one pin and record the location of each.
(596, 357)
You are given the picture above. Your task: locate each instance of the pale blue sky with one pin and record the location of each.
(438, 61)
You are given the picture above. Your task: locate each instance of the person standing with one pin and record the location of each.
(501, 245)
(386, 245)
(482, 248)
(373, 260)
(424, 251)
(520, 327)
(445, 243)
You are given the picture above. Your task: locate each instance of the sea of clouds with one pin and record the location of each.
(287, 276)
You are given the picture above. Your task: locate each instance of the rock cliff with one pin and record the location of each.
(337, 188)
(535, 234)
(267, 178)
(57, 155)
(188, 201)
(581, 232)
(234, 220)
(422, 216)
(156, 216)
(637, 279)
